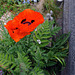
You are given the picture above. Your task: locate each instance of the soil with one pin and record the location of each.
(6, 17)
(39, 6)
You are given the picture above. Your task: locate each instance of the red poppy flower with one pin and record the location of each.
(24, 23)
(14, 31)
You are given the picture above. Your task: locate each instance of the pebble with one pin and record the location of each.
(59, 0)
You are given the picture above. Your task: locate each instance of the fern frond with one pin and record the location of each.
(61, 41)
(36, 71)
(6, 62)
(44, 32)
(23, 62)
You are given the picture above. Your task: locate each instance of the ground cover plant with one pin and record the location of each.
(29, 57)
(52, 5)
(12, 6)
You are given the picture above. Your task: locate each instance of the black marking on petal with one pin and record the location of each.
(32, 21)
(16, 28)
(23, 20)
(13, 31)
(27, 22)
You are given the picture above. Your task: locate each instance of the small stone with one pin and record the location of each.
(35, 0)
(59, 0)
(36, 29)
(51, 12)
(48, 14)
(8, 16)
(4, 23)
(51, 18)
(39, 41)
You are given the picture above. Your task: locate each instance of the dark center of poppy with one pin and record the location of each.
(29, 23)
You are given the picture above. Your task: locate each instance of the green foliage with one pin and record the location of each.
(2, 10)
(6, 61)
(12, 5)
(28, 57)
(36, 71)
(51, 5)
(45, 32)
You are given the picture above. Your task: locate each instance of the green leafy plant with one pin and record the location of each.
(51, 5)
(12, 6)
(45, 32)
(29, 57)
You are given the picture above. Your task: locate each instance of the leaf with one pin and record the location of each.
(46, 37)
(13, 66)
(46, 32)
(51, 63)
(37, 36)
(34, 38)
(6, 63)
(44, 44)
(44, 41)
(59, 60)
(36, 71)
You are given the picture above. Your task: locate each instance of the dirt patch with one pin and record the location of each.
(39, 6)
(6, 17)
